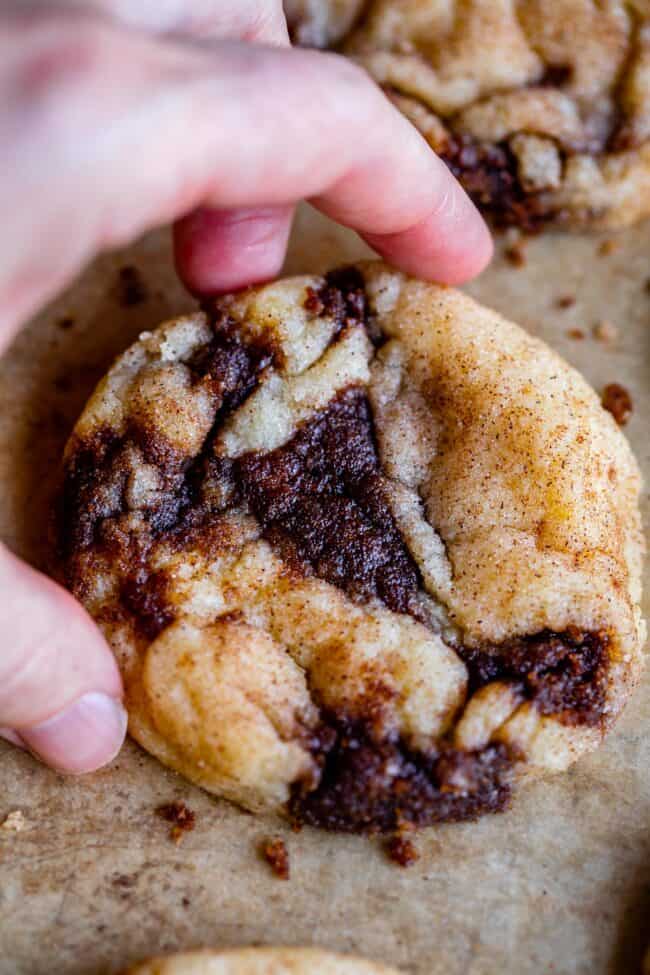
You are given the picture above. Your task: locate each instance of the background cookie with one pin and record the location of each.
(260, 961)
(542, 110)
(361, 546)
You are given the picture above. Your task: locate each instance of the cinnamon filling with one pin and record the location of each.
(489, 175)
(378, 785)
(320, 502)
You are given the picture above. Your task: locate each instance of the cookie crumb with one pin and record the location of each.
(123, 880)
(132, 289)
(515, 254)
(607, 247)
(512, 235)
(618, 402)
(605, 332)
(402, 851)
(277, 855)
(65, 323)
(15, 822)
(182, 818)
(565, 301)
(576, 333)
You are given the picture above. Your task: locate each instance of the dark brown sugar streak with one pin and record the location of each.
(320, 502)
(94, 506)
(373, 784)
(489, 171)
(489, 175)
(565, 674)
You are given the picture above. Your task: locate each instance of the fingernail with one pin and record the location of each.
(87, 735)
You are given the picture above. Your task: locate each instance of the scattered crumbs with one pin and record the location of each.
(605, 332)
(123, 880)
(402, 851)
(182, 818)
(185, 901)
(15, 822)
(576, 333)
(565, 301)
(277, 855)
(512, 235)
(618, 401)
(515, 254)
(607, 247)
(65, 323)
(132, 289)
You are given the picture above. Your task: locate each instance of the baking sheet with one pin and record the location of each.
(559, 884)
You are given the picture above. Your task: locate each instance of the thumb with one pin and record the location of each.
(60, 687)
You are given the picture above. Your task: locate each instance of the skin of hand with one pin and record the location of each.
(115, 120)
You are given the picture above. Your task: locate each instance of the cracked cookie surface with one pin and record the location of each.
(365, 550)
(260, 961)
(542, 122)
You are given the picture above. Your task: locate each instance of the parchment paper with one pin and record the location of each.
(559, 884)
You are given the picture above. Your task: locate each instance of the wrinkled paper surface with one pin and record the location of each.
(559, 884)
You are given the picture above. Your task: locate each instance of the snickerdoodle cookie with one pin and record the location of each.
(365, 550)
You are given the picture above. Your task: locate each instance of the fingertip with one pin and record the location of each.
(450, 245)
(53, 653)
(103, 672)
(224, 250)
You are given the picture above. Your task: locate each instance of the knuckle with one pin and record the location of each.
(351, 73)
(61, 53)
(344, 86)
(357, 91)
(59, 65)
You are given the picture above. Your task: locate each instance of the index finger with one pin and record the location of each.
(139, 130)
(314, 125)
(249, 20)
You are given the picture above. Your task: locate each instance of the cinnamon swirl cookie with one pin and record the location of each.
(365, 551)
(260, 961)
(542, 110)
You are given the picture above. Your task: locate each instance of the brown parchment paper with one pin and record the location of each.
(559, 884)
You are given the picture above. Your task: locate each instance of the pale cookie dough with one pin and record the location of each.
(365, 550)
(260, 961)
(541, 109)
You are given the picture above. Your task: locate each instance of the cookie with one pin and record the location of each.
(260, 961)
(542, 110)
(365, 550)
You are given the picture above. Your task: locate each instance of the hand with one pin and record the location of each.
(115, 120)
